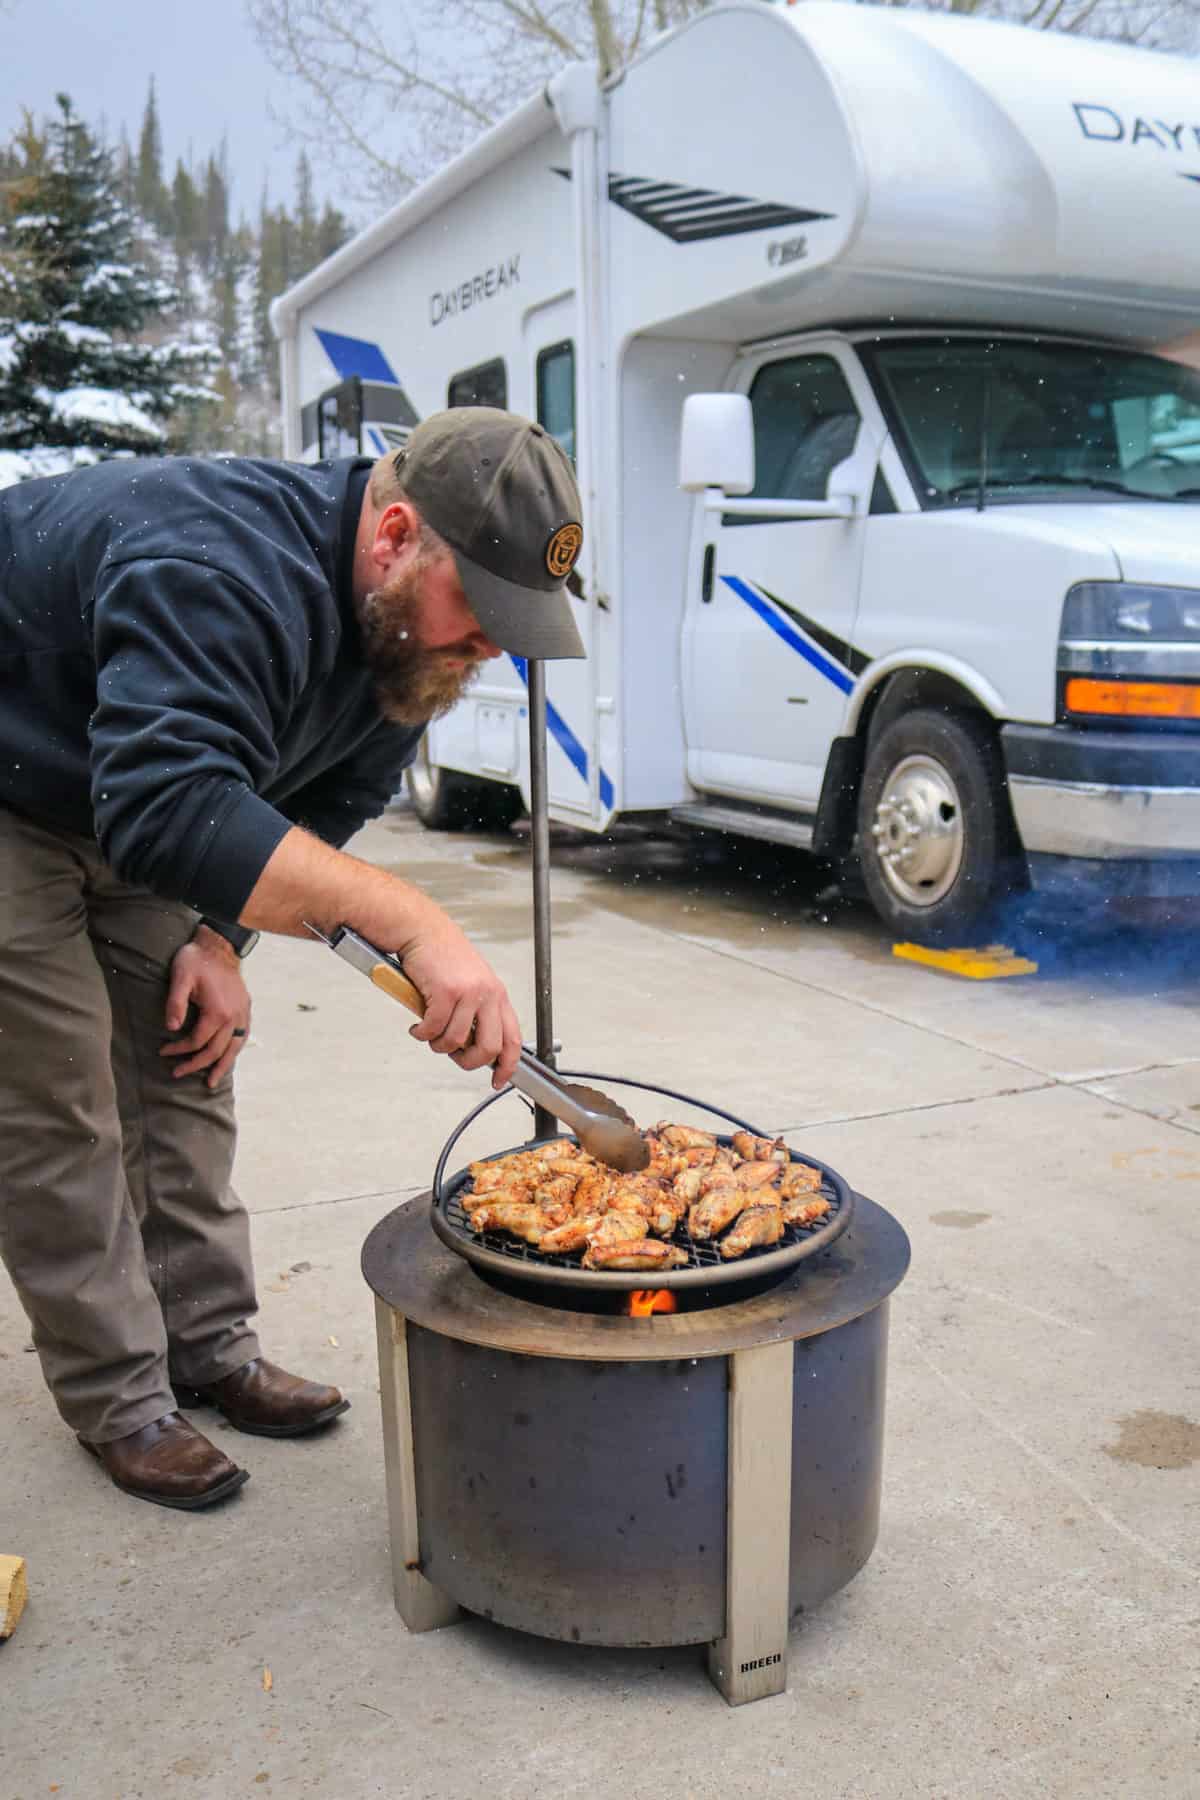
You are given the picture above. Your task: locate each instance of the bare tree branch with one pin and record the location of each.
(402, 85)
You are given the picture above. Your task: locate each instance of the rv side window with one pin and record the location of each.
(484, 385)
(339, 420)
(556, 393)
(805, 424)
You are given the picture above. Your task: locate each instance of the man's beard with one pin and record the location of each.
(412, 684)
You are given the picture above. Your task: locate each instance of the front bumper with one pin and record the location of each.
(1104, 795)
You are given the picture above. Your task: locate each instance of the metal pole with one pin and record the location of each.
(544, 1123)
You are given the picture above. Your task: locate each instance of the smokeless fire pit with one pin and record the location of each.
(700, 1477)
(553, 1463)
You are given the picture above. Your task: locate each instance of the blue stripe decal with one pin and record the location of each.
(356, 356)
(808, 651)
(565, 738)
(380, 446)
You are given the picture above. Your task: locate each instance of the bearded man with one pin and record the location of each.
(214, 672)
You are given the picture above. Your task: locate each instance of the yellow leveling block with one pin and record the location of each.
(12, 1593)
(988, 964)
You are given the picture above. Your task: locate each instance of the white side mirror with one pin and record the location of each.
(716, 447)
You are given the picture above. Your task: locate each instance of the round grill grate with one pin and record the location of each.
(705, 1265)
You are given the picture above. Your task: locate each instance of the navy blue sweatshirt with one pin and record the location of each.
(181, 675)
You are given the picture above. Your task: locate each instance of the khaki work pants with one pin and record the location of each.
(127, 1246)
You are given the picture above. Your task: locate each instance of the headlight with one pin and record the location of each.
(1115, 612)
(1132, 632)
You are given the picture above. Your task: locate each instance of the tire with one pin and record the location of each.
(445, 800)
(937, 843)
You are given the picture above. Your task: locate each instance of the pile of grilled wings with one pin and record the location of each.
(562, 1200)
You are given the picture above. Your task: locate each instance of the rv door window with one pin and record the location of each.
(484, 385)
(805, 424)
(556, 393)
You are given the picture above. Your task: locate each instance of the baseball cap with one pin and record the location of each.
(501, 492)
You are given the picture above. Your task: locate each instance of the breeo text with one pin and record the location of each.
(475, 291)
(761, 1662)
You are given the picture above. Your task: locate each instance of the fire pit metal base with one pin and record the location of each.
(701, 1477)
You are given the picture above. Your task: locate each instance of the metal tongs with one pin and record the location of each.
(602, 1127)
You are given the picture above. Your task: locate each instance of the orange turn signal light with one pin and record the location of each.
(1134, 699)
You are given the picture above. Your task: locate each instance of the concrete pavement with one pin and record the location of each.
(1027, 1625)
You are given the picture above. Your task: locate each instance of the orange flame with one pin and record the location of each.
(644, 1301)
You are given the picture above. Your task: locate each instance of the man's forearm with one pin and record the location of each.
(467, 1015)
(307, 880)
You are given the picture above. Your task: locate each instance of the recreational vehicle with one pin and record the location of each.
(848, 317)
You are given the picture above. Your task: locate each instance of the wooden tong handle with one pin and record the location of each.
(389, 978)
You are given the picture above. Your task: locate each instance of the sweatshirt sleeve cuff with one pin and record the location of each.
(234, 857)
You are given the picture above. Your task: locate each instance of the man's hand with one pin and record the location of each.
(206, 975)
(468, 1015)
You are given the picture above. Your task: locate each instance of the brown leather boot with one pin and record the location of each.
(171, 1464)
(267, 1401)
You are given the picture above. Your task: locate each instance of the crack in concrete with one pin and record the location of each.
(261, 1212)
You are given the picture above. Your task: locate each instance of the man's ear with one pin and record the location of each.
(397, 535)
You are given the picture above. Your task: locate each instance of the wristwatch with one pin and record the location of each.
(238, 937)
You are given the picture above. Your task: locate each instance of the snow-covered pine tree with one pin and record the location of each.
(76, 384)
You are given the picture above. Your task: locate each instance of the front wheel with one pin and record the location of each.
(445, 800)
(936, 840)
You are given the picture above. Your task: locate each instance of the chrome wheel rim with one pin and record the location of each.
(918, 831)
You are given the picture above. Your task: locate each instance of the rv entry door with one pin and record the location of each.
(768, 654)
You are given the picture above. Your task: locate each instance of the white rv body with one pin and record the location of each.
(767, 190)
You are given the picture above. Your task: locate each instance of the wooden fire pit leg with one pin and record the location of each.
(750, 1661)
(422, 1606)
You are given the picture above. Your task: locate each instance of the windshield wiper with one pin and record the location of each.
(1085, 481)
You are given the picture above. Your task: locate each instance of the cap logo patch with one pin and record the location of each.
(562, 550)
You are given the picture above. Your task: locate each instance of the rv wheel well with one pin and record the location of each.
(908, 689)
(899, 693)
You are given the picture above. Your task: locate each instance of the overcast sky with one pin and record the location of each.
(210, 74)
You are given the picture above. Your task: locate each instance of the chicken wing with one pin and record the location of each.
(685, 1137)
(665, 1214)
(757, 1149)
(619, 1228)
(688, 1184)
(805, 1210)
(799, 1178)
(488, 1175)
(717, 1209)
(566, 1239)
(633, 1193)
(647, 1253)
(516, 1217)
(746, 1175)
(594, 1192)
(757, 1225)
(513, 1191)
(556, 1190)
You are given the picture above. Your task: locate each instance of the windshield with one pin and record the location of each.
(1039, 416)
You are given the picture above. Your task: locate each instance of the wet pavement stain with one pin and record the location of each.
(960, 1221)
(1156, 1440)
(496, 911)
(746, 894)
(740, 894)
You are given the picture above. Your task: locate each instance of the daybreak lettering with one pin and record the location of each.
(1105, 126)
(448, 303)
